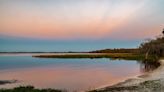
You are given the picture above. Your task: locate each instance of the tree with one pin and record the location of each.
(154, 47)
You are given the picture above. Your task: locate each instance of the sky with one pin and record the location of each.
(78, 25)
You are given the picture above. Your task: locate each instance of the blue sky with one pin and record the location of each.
(78, 25)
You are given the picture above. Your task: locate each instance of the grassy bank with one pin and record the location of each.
(127, 56)
(30, 89)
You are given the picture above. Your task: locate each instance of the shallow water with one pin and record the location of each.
(69, 74)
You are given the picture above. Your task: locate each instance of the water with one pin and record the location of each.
(69, 74)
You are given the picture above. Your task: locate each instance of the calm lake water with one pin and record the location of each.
(69, 74)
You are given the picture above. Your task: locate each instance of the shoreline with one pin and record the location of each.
(115, 84)
(147, 80)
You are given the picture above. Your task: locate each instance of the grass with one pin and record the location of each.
(127, 56)
(29, 89)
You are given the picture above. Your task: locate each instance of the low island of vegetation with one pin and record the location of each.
(127, 56)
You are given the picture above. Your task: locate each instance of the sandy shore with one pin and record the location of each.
(149, 82)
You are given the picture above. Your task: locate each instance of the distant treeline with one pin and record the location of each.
(121, 50)
(10, 52)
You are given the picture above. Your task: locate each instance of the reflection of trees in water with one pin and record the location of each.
(147, 66)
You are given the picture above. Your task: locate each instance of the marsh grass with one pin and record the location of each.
(126, 56)
(30, 89)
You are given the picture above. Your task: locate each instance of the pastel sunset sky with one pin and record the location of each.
(78, 25)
